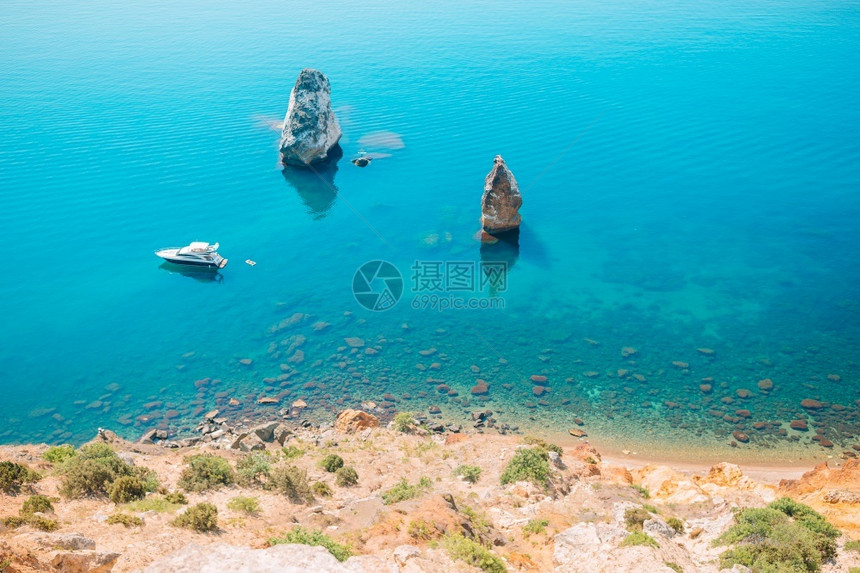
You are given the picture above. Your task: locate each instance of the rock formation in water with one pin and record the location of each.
(311, 130)
(501, 201)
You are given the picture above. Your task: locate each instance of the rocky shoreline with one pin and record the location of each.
(312, 368)
(579, 516)
(244, 435)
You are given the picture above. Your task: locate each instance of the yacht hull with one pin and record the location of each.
(196, 264)
(199, 259)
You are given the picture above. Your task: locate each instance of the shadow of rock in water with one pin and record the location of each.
(315, 184)
(533, 249)
(507, 251)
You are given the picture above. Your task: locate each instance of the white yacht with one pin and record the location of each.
(197, 254)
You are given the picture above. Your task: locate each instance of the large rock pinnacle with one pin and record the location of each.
(501, 201)
(311, 130)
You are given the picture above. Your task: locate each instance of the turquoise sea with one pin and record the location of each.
(690, 175)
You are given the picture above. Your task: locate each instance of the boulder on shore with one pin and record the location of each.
(311, 129)
(501, 201)
(351, 421)
(287, 558)
(84, 561)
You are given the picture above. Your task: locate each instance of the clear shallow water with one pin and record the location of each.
(689, 173)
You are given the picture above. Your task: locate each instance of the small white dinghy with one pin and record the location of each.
(197, 254)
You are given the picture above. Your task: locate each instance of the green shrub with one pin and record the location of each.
(673, 566)
(527, 465)
(202, 517)
(244, 504)
(675, 524)
(634, 517)
(535, 526)
(650, 508)
(176, 497)
(14, 521)
(127, 489)
(825, 535)
(125, 519)
(403, 491)
(346, 477)
(83, 477)
(291, 452)
(42, 523)
(99, 451)
(59, 454)
(639, 538)
(92, 471)
(13, 476)
(304, 536)
(37, 504)
(147, 477)
(477, 520)
(35, 521)
(331, 463)
(643, 491)
(253, 469)
(422, 530)
(554, 448)
(543, 445)
(784, 536)
(206, 471)
(27, 514)
(590, 460)
(469, 473)
(852, 545)
(321, 489)
(292, 482)
(152, 503)
(473, 553)
(404, 421)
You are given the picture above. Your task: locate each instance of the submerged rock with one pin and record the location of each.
(501, 201)
(740, 436)
(311, 129)
(766, 384)
(481, 388)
